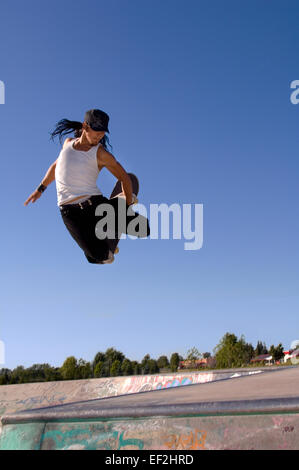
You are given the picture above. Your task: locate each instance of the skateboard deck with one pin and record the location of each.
(117, 192)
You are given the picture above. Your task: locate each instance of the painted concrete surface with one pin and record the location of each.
(37, 395)
(253, 412)
(258, 432)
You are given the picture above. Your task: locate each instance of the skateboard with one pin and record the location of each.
(118, 193)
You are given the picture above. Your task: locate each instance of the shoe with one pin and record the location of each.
(110, 258)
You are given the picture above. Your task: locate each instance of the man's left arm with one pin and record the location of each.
(108, 160)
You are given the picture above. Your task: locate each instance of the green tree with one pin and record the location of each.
(5, 376)
(83, 370)
(18, 375)
(115, 369)
(153, 367)
(279, 354)
(206, 355)
(112, 355)
(52, 374)
(163, 362)
(276, 352)
(35, 373)
(174, 362)
(126, 367)
(193, 355)
(145, 365)
(231, 352)
(245, 352)
(136, 368)
(69, 368)
(40, 373)
(106, 369)
(260, 349)
(99, 357)
(98, 369)
(225, 351)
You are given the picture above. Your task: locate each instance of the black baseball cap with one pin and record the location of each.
(97, 120)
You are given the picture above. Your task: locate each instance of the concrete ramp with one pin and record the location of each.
(251, 412)
(36, 395)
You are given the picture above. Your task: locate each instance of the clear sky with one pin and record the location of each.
(198, 94)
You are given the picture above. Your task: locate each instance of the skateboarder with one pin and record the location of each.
(76, 170)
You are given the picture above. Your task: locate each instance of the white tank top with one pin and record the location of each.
(76, 173)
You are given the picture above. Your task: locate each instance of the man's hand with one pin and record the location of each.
(48, 179)
(33, 197)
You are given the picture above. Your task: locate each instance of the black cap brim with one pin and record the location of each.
(97, 129)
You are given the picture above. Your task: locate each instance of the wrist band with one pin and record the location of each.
(41, 188)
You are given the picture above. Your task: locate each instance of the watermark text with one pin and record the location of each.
(295, 95)
(163, 222)
(2, 92)
(2, 353)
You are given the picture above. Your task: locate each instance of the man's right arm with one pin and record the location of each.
(48, 179)
(50, 175)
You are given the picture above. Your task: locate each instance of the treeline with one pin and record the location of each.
(233, 352)
(112, 363)
(229, 353)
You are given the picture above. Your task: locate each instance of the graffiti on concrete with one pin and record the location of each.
(29, 396)
(177, 382)
(288, 429)
(34, 402)
(89, 437)
(194, 440)
(244, 432)
(157, 382)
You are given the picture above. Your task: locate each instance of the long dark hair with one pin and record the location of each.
(64, 127)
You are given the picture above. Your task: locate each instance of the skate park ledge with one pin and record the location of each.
(259, 410)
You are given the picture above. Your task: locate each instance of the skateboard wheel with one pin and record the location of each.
(116, 250)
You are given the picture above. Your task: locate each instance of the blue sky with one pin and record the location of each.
(198, 95)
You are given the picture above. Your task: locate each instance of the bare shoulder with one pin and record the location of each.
(67, 140)
(107, 160)
(104, 157)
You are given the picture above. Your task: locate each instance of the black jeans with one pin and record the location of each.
(81, 224)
